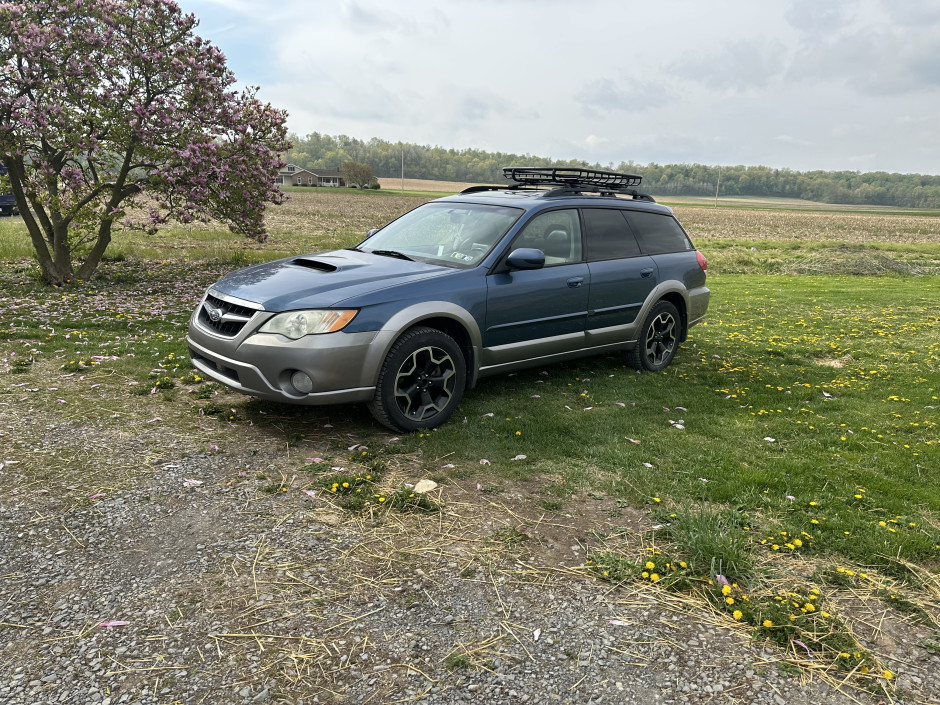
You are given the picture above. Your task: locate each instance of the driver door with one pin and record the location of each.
(539, 312)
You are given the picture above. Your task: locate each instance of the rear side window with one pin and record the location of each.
(608, 235)
(658, 234)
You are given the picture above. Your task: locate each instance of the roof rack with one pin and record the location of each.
(569, 180)
(570, 176)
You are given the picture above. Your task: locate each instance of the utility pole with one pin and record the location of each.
(717, 185)
(403, 168)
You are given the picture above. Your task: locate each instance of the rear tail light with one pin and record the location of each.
(702, 262)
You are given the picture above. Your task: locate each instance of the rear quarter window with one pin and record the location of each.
(658, 234)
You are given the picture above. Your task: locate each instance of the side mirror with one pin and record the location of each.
(526, 258)
(371, 232)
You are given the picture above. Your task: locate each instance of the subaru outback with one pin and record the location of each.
(561, 263)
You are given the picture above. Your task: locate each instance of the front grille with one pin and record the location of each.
(223, 317)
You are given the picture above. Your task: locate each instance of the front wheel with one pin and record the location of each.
(658, 340)
(421, 381)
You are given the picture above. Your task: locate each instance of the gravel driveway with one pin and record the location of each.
(194, 576)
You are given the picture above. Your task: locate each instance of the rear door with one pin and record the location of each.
(621, 276)
(539, 312)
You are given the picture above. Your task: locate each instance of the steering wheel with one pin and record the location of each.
(470, 247)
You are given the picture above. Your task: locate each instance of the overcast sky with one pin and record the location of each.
(801, 84)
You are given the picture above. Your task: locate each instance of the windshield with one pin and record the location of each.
(450, 234)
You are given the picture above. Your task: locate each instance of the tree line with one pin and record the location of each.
(878, 188)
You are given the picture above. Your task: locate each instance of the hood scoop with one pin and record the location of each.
(314, 264)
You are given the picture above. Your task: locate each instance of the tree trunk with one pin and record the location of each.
(94, 257)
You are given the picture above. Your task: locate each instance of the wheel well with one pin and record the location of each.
(676, 300)
(456, 331)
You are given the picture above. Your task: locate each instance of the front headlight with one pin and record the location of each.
(297, 324)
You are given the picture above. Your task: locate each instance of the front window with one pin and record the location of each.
(556, 233)
(450, 234)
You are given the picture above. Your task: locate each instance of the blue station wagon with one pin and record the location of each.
(562, 263)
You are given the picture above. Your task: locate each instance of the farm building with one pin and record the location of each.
(292, 175)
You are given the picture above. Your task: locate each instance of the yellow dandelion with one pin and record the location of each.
(824, 614)
(767, 623)
(726, 590)
(887, 675)
(650, 565)
(729, 600)
(654, 577)
(737, 614)
(645, 574)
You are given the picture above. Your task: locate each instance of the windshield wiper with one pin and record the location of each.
(392, 253)
(355, 249)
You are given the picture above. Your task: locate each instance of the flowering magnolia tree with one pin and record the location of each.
(114, 111)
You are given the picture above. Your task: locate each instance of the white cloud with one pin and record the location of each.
(801, 84)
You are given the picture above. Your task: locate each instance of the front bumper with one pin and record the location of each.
(262, 364)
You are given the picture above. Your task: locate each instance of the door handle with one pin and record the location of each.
(646, 272)
(575, 282)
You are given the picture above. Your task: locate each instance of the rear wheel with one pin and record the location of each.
(658, 340)
(421, 381)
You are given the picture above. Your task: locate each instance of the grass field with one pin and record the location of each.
(793, 442)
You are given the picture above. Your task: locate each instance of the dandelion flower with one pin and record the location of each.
(729, 600)
(767, 623)
(650, 565)
(726, 590)
(737, 614)
(888, 675)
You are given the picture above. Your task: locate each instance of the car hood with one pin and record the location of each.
(324, 279)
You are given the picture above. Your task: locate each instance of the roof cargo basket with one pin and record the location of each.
(576, 180)
(569, 176)
(568, 181)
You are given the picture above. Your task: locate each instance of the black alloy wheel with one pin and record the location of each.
(421, 382)
(658, 340)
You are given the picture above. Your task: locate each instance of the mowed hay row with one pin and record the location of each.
(809, 226)
(322, 211)
(392, 183)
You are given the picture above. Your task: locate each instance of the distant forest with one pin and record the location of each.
(477, 166)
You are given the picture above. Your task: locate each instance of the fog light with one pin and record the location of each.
(302, 382)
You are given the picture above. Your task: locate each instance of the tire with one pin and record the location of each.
(658, 340)
(421, 381)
